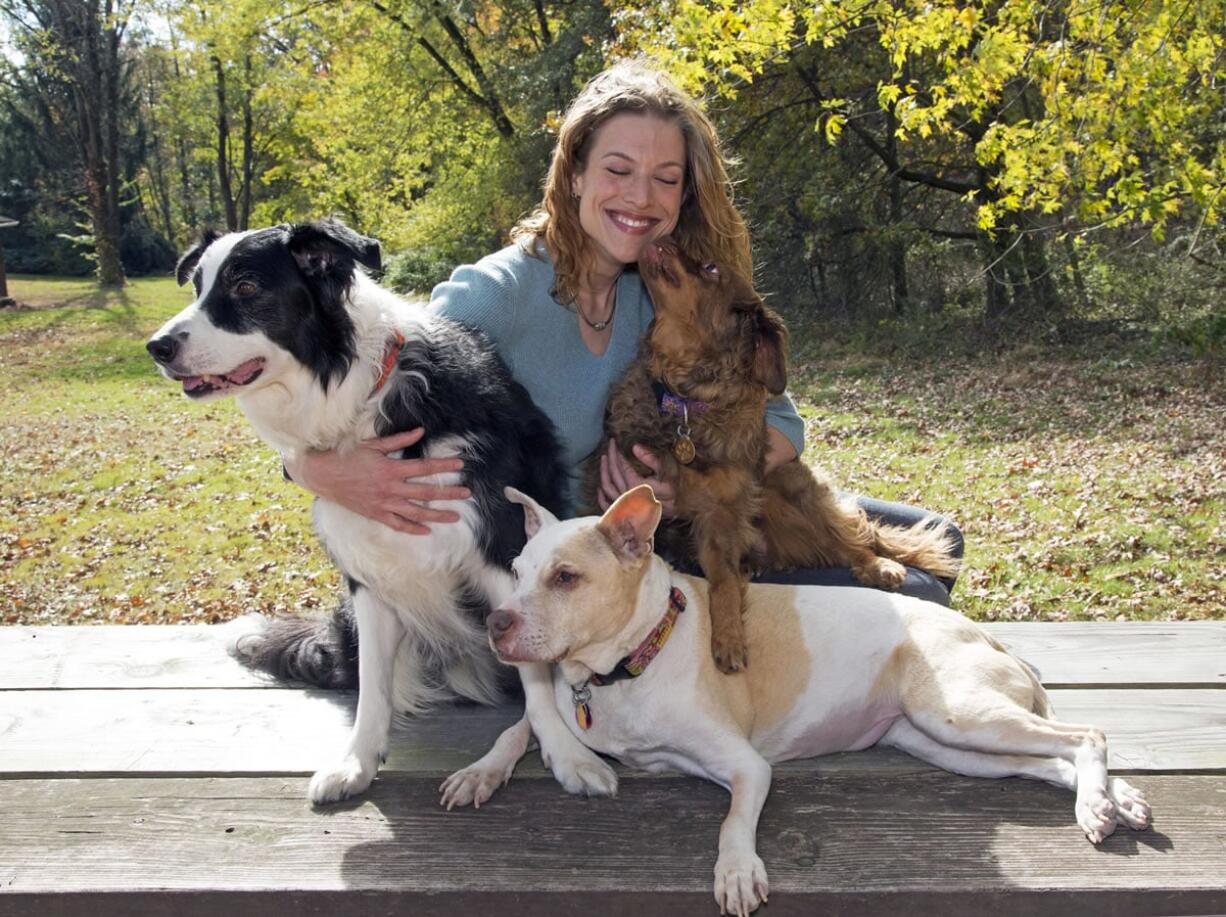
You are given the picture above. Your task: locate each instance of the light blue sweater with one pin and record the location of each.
(508, 296)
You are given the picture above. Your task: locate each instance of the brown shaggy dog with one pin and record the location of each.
(696, 397)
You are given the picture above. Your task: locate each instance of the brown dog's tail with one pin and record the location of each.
(924, 545)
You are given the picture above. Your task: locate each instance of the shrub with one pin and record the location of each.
(416, 270)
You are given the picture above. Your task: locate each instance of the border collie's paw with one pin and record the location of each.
(474, 784)
(1096, 816)
(583, 774)
(332, 784)
(1131, 809)
(740, 884)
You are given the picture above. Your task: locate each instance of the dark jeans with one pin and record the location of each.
(919, 583)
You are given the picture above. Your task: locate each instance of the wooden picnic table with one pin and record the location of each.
(142, 771)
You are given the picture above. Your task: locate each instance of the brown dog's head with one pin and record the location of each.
(712, 330)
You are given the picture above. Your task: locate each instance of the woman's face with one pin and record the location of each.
(630, 188)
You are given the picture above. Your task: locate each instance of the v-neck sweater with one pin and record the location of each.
(509, 296)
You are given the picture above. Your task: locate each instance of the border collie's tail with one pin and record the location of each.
(319, 649)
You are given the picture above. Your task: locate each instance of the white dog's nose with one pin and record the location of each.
(499, 622)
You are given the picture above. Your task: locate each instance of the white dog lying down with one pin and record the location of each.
(834, 669)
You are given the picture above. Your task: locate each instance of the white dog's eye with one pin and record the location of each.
(246, 288)
(565, 578)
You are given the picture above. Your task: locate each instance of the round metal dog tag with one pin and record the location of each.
(683, 449)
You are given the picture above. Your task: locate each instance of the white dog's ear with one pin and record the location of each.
(536, 517)
(630, 523)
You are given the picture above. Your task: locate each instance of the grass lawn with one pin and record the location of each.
(1090, 483)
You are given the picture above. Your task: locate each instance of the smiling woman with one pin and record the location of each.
(636, 160)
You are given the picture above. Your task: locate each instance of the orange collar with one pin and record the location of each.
(391, 352)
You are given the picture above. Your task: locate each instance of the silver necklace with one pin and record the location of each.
(600, 326)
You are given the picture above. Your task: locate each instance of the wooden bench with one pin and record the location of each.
(146, 773)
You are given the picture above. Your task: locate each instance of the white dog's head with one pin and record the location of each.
(266, 300)
(576, 582)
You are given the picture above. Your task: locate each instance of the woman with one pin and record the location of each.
(636, 160)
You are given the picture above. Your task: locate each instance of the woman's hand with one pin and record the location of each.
(618, 476)
(368, 482)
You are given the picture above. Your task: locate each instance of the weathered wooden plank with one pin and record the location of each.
(250, 731)
(825, 842)
(106, 656)
(1191, 653)
(1142, 653)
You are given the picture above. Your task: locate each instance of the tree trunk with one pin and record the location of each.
(898, 248)
(223, 144)
(1044, 293)
(1079, 283)
(244, 217)
(4, 280)
(90, 42)
(110, 137)
(997, 301)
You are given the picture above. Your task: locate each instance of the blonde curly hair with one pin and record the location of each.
(709, 227)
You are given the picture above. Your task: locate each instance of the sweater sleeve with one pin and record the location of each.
(483, 296)
(781, 414)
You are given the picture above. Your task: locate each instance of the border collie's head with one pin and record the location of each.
(264, 297)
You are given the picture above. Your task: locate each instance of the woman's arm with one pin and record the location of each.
(618, 476)
(366, 481)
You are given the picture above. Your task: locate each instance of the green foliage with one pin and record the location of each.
(1111, 106)
(416, 271)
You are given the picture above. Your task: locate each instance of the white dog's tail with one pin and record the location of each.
(319, 649)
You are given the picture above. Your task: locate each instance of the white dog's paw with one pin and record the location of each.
(583, 773)
(1131, 809)
(348, 778)
(474, 784)
(740, 884)
(1096, 815)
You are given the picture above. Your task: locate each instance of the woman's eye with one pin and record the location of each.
(245, 288)
(617, 172)
(669, 181)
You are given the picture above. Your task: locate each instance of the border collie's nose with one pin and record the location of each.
(163, 349)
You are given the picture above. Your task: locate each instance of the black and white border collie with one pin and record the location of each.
(319, 356)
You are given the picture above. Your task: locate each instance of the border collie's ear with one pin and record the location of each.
(187, 264)
(536, 517)
(318, 246)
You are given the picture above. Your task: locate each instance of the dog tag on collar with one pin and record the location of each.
(583, 713)
(683, 446)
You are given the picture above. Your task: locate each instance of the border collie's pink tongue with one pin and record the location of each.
(243, 374)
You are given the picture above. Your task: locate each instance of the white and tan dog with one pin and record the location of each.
(833, 669)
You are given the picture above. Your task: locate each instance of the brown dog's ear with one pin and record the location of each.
(770, 355)
(630, 523)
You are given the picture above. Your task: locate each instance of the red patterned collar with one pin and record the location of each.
(633, 665)
(391, 352)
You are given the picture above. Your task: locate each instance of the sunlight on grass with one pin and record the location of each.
(1086, 488)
